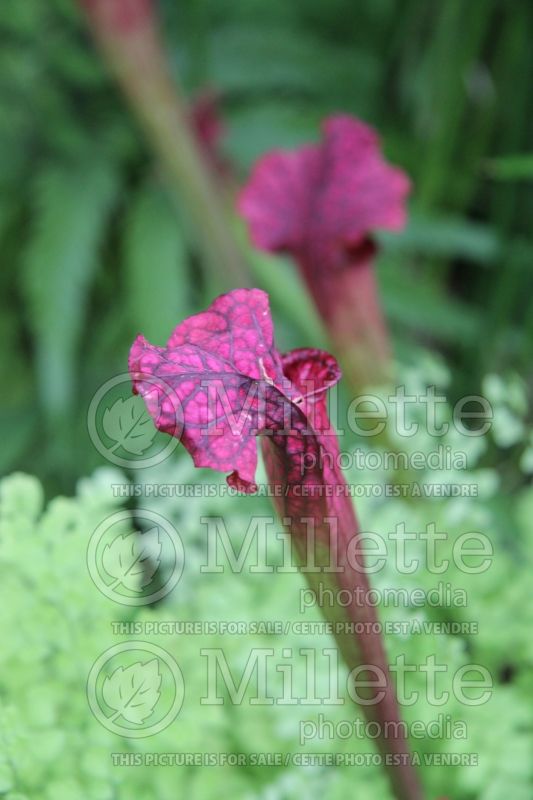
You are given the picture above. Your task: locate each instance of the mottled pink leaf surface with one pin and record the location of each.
(323, 201)
(322, 204)
(220, 382)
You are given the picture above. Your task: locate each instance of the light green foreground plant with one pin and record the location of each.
(54, 623)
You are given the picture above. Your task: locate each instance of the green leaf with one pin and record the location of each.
(71, 208)
(511, 168)
(417, 305)
(18, 428)
(445, 236)
(263, 58)
(157, 284)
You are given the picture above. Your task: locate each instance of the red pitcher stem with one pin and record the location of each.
(348, 302)
(329, 528)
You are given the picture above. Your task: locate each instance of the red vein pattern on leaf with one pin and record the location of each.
(220, 382)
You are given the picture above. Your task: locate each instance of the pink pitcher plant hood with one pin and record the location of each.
(219, 384)
(321, 204)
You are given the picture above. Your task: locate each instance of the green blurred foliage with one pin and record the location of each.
(94, 248)
(51, 746)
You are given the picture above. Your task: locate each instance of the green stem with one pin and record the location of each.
(134, 51)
